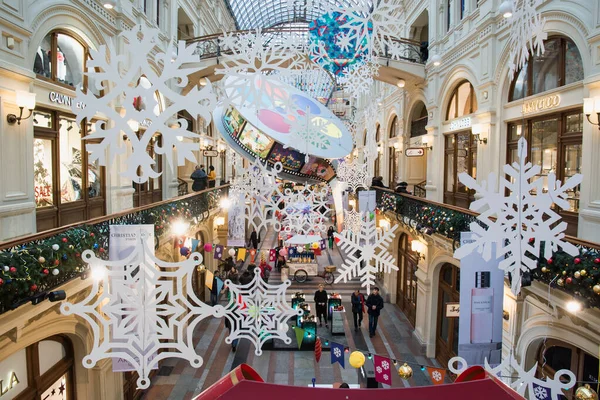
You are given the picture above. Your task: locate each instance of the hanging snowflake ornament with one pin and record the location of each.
(522, 381)
(366, 252)
(139, 311)
(147, 98)
(352, 221)
(358, 78)
(259, 312)
(373, 24)
(520, 222)
(354, 175)
(306, 130)
(307, 210)
(526, 33)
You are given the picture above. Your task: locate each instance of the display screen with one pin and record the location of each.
(318, 167)
(259, 143)
(233, 121)
(290, 158)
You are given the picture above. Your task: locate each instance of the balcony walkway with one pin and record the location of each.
(393, 339)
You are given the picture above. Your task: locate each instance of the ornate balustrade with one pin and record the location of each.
(32, 266)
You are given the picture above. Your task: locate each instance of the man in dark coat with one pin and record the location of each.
(214, 292)
(254, 239)
(200, 179)
(374, 305)
(330, 232)
(248, 275)
(358, 308)
(321, 304)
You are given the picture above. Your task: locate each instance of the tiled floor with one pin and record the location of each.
(394, 340)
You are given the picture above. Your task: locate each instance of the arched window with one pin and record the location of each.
(560, 65)
(418, 120)
(394, 127)
(61, 58)
(377, 133)
(462, 102)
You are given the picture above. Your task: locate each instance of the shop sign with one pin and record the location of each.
(544, 103)
(460, 124)
(65, 100)
(210, 153)
(13, 375)
(452, 310)
(12, 381)
(414, 152)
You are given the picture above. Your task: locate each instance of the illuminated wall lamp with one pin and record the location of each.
(477, 130)
(426, 145)
(220, 221)
(418, 248)
(24, 100)
(592, 105)
(384, 224)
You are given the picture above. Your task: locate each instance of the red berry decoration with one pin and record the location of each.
(13, 269)
(550, 261)
(45, 271)
(33, 287)
(577, 260)
(64, 240)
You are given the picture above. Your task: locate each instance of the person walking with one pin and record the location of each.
(254, 239)
(200, 178)
(358, 308)
(321, 304)
(248, 275)
(214, 292)
(212, 176)
(280, 262)
(265, 270)
(330, 232)
(374, 305)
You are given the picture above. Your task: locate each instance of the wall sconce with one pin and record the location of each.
(401, 83)
(418, 248)
(506, 9)
(592, 105)
(477, 130)
(110, 4)
(384, 224)
(24, 100)
(396, 146)
(221, 148)
(380, 149)
(220, 221)
(425, 142)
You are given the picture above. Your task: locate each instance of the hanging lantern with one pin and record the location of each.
(357, 359)
(208, 247)
(585, 392)
(405, 371)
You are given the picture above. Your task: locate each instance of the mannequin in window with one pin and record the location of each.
(41, 65)
(61, 68)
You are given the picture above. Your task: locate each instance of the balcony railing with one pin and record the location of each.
(579, 275)
(32, 266)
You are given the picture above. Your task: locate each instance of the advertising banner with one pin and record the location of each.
(367, 201)
(236, 234)
(122, 242)
(481, 300)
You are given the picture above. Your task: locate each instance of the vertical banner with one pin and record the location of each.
(481, 299)
(383, 371)
(367, 201)
(122, 242)
(437, 375)
(218, 254)
(236, 218)
(337, 353)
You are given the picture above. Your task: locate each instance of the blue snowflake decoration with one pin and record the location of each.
(334, 47)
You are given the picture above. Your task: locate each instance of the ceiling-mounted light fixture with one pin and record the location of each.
(110, 4)
(401, 83)
(436, 60)
(506, 9)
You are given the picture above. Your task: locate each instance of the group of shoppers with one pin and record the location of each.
(202, 180)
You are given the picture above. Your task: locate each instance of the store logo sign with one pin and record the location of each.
(12, 382)
(544, 103)
(460, 124)
(65, 100)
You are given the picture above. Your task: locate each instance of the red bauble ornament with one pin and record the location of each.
(45, 272)
(550, 261)
(531, 240)
(33, 287)
(92, 234)
(569, 280)
(577, 260)
(101, 250)
(64, 240)
(1, 282)
(13, 270)
(56, 262)
(77, 254)
(597, 260)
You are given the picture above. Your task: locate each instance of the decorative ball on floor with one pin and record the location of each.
(405, 371)
(357, 359)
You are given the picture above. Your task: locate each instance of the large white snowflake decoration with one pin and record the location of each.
(142, 93)
(306, 211)
(513, 374)
(309, 130)
(366, 252)
(263, 196)
(249, 58)
(526, 33)
(143, 314)
(358, 78)
(520, 222)
(374, 24)
(259, 312)
(353, 174)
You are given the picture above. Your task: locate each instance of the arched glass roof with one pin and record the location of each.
(253, 14)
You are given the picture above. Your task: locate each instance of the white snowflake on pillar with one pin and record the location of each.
(259, 312)
(140, 311)
(514, 375)
(520, 222)
(526, 33)
(146, 95)
(366, 252)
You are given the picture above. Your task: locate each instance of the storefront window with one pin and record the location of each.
(43, 119)
(70, 160)
(94, 171)
(462, 102)
(461, 156)
(560, 65)
(42, 172)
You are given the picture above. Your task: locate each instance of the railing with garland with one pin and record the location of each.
(578, 276)
(32, 266)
